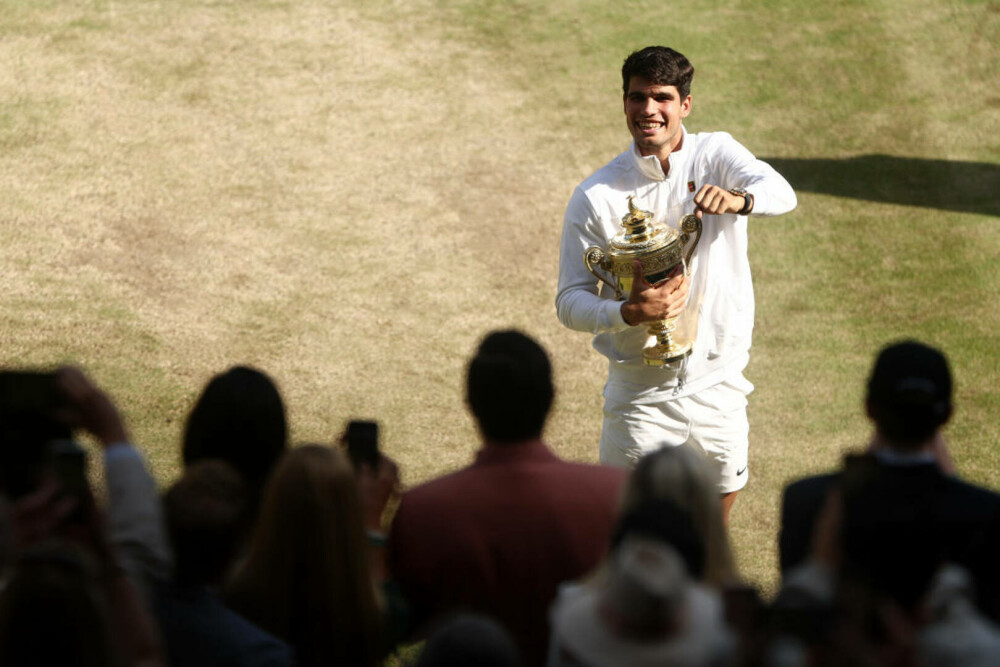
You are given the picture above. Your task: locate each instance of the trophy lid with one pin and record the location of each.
(641, 235)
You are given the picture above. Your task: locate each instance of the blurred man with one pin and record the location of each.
(499, 536)
(904, 491)
(205, 513)
(700, 399)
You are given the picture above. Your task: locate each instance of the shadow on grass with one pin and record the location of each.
(967, 187)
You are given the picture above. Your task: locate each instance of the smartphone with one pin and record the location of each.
(362, 443)
(68, 460)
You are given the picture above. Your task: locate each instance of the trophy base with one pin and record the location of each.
(661, 355)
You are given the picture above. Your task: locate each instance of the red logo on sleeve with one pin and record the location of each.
(690, 186)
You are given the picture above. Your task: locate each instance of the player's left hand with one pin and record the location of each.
(716, 201)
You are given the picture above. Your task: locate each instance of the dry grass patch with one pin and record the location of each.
(347, 203)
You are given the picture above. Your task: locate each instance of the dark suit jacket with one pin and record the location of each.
(199, 630)
(951, 513)
(500, 536)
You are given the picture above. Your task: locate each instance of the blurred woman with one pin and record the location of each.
(683, 475)
(658, 597)
(306, 578)
(240, 419)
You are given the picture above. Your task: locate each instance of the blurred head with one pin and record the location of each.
(645, 610)
(205, 512)
(909, 393)
(684, 476)
(509, 387)
(661, 520)
(469, 640)
(240, 419)
(306, 578)
(661, 66)
(53, 611)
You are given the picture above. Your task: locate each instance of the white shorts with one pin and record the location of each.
(714, 419)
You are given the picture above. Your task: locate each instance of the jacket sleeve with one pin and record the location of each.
(772, 194)
(135, 517)
(579, 305)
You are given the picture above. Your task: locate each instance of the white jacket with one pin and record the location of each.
(720, 311)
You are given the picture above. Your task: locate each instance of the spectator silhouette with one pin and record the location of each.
(74, 585)
(204, 511)
(683, 476)
(876, 547)
(642, 609)
(500, 535)
(240, 419)
(306, 578)
(905, 479)
(54, 612)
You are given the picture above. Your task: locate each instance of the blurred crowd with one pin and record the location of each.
(263, 553)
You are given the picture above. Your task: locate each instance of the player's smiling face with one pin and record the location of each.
(653, 114)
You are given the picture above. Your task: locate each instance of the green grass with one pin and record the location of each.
(350, 195)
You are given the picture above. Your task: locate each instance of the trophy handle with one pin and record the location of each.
(594, 257)
(690, 224)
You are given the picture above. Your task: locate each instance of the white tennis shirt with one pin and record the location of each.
(720, 311)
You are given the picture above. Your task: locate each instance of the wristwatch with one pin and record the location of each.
(747, 200)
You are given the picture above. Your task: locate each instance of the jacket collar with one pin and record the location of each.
(650, 167)
(892, 457)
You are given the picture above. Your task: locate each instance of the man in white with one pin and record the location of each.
(700, 399)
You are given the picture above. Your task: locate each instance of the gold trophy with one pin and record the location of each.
(659, 250)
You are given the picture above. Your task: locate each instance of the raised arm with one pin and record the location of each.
(771, 193)
(134, 515)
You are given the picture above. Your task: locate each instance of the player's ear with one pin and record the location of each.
(686, 106)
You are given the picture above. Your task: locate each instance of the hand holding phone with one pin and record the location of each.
(362, 443)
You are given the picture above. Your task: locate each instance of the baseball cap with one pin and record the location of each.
(910, 388)
(908, 373)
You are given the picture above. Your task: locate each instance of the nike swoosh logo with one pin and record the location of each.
(740, 472)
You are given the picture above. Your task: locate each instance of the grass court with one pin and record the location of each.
(349, 195)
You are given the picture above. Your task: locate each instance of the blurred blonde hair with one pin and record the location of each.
(683, 476)
(306, 578)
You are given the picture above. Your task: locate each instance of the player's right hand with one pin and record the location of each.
(647, 303)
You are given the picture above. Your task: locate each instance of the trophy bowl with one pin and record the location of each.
(659, 249)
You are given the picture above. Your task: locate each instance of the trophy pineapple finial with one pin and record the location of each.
(635, 221)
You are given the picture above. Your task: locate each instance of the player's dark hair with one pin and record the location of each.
(661, 66)
(509, 387)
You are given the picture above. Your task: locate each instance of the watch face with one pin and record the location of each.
(747, 199)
